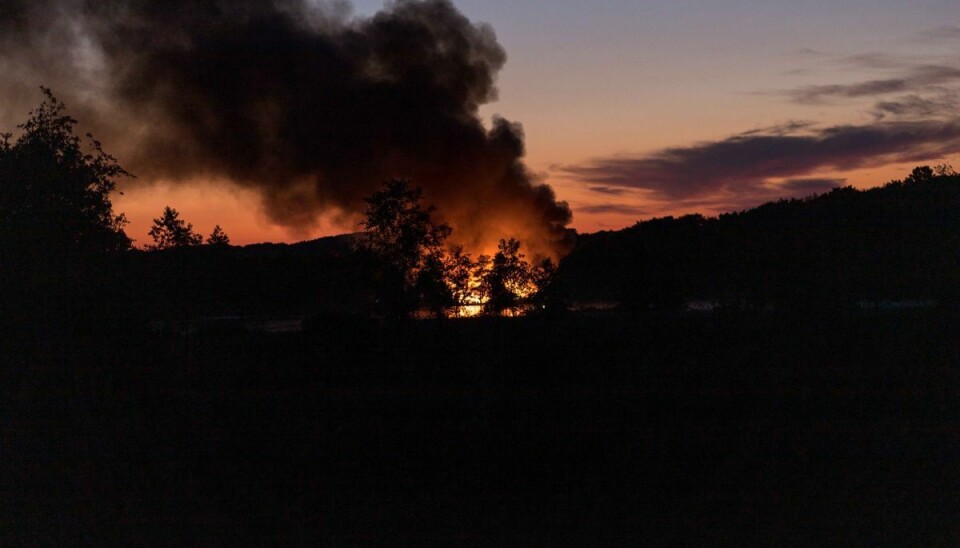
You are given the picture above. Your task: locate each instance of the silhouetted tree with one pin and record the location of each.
(170, 231)
(59, 236)
(54, 197)
(432, 289)
(459, 273)
(546, 295)
(944, 170)
(218, 237)
(481, 267)
(508, 281)
(408, 246)
(921, 174)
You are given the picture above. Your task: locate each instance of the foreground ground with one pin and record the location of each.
(589, 431)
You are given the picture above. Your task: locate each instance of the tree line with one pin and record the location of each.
(843, 248)
(417, 271)
(170, 231)
(65, 252)
(63, 249)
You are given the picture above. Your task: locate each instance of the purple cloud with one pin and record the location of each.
(749, 163)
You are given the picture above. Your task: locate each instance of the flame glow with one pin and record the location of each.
(473, 302)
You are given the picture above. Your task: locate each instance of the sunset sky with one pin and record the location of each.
(638, 109)
(627, 79)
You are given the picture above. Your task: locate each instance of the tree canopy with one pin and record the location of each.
(508, 279)
(54, 195)
(170, 231)
(218, 237)
(842, 248)
(408, 246)
(418, 272)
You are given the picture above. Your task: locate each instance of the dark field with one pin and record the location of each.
(716, 430)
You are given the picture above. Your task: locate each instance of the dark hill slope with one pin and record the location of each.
(896, 242)
(271, 279)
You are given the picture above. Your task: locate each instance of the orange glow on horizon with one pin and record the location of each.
(238, 211)
(206, 204)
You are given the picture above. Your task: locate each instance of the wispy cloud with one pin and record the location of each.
(917, 78)
(612, 191)
(615, 209)
(875, 60)
(910, 78)
(785, 128)
(810, 52)
(918, 107)
(751, 164)
(817, 94)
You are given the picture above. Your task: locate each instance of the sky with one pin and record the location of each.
(625, 80)
(636, 109)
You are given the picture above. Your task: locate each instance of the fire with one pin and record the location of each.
(469, 310)
(474, 300)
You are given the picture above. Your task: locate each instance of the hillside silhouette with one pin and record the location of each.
(891, 243)
(257, 279)
(838, 250)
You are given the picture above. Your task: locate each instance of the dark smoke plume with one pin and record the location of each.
(312, 108)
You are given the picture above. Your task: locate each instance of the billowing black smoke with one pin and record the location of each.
(309, 106)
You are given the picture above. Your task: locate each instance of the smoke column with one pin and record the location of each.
(307, 105)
